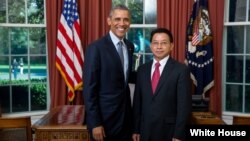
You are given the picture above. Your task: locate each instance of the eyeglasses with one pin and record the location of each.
(155, 44)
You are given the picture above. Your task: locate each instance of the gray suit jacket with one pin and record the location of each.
(164, 115)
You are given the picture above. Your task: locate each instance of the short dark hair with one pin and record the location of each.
(162, 30)
(120, 7)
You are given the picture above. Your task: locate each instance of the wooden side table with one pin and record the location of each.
(64, 123)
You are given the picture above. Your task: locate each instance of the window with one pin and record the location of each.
(143, 20)
(236, 57)
(23, 56)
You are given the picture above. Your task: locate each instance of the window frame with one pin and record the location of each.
(225, 54)
(28, 55)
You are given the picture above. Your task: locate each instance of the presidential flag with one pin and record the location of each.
(199, 51)
(69, 52)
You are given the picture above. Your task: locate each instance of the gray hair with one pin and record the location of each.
(119, 7)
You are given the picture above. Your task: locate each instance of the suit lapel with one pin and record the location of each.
(164, 76)
(129, 56)
(147, 82)
(129, 51)
(148, 78)
(113, 52)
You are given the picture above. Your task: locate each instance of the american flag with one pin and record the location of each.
(69, 52)
(196, 36)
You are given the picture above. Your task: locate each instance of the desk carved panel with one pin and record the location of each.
(67, 135)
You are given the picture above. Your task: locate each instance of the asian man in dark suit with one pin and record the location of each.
(107, 71)
(161, 110)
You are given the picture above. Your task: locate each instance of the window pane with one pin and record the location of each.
(234, 69)
(147, 39)
(247, 69)
(4, 97)
(248, 41)
(19, 68)
(140, 38)
(249, 11)
(20, 98)
(237, 10)
(234, 98)
(136, 61)
(16, 11)
(19, 40)
(5, 70)
(247, 99)
(23, 69)
(4, 50)
(38, 69)
(235, 39)
(141, 58)
(135, 35)
(14, 69)
(136, 8)
(38, 96)
(36, 11)
(116, 2)
(2, 11)
(37, 41)
(150, 11)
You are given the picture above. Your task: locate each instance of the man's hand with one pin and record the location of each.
(136, 137)
(98, 133)
(175, 139)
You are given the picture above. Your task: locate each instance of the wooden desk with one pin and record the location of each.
(206, 118)
(63, 123)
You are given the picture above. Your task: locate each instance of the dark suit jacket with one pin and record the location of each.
(106, 94)
(164, 115)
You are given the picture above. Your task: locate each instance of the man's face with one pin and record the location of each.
(161, 46)
(119, 22)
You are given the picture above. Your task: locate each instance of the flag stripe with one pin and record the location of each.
(65, 59)
(78, 63)
(78, 44)
(78, 53)
(195, 38)
(65, 75)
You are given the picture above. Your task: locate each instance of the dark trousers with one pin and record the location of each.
(115, 138)
(124, 135)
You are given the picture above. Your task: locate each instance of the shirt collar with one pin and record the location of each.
(162, 61)
(114, 38)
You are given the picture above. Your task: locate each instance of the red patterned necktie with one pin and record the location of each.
(156, 76)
